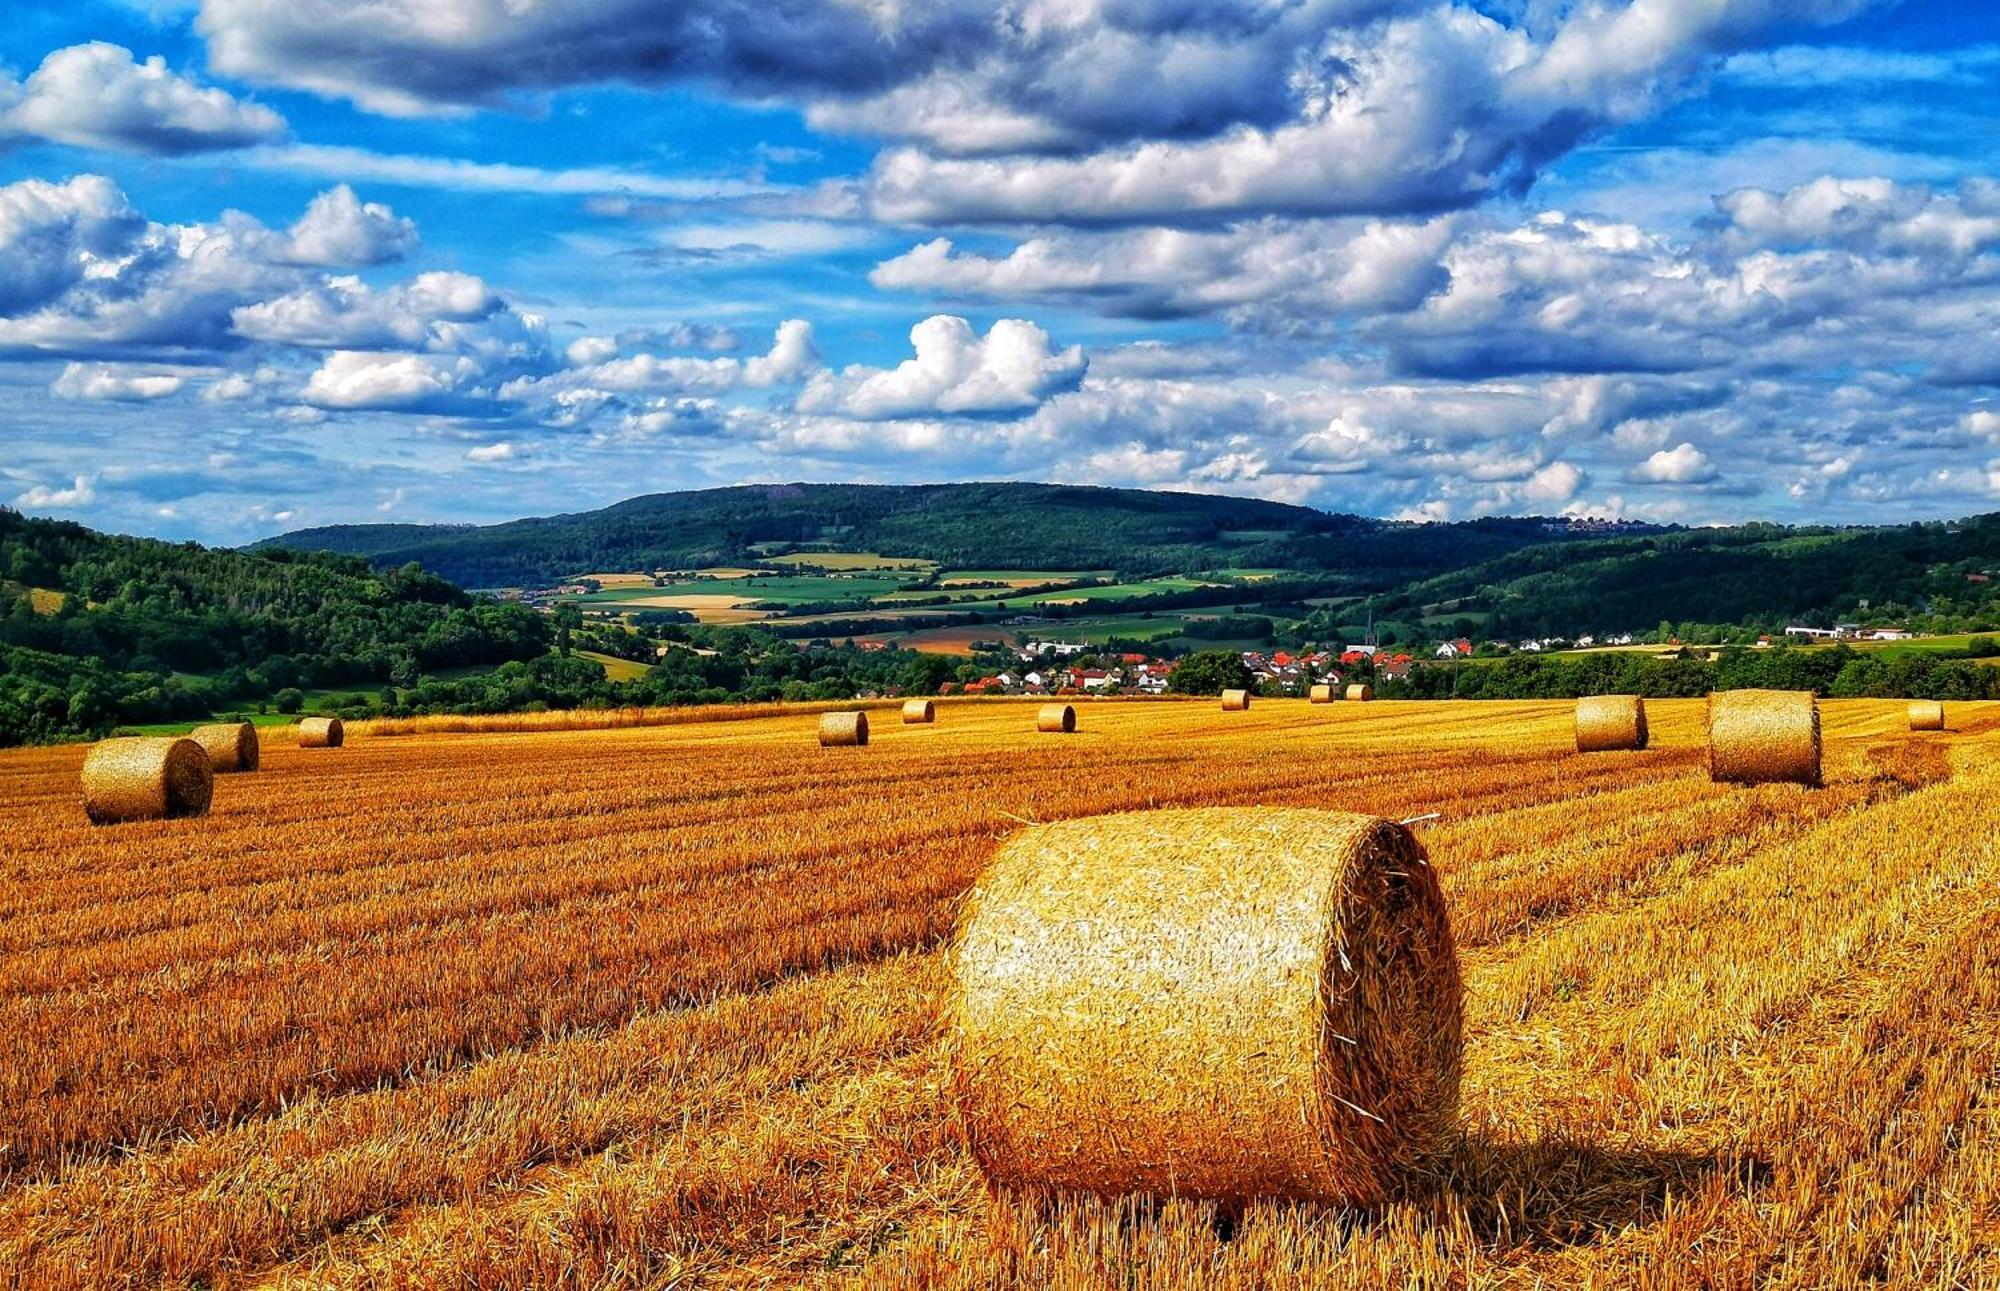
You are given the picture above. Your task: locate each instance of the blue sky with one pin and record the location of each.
(269, 266)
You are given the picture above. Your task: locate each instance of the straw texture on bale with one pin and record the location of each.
(1215, 1002)
(1608, 723)
(321, 733)
(1059, 719)
(843, 729)
(1926, 715)
(1235, 701)
(1360, 693)
(231, 746)
(1322, 694)
(917, 711)
(1763, 737)
(148, 778)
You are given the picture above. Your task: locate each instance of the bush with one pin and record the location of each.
(1209, 672)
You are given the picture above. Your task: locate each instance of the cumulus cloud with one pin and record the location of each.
(81, 493)
(1010, 369)
(340, 231)
(1681, 464)
(51, 235)
(117, 383)
(1104, 110)
(1267, 274)
(1555, 483)
(1434, 109)
(82, 272)
(602, 364)
(502, 451)
(84, 275)
(1876, 215)
(959, 73)
(354, 379)
(345, 313)
(96, 96)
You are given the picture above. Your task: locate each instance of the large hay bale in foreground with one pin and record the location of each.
(1610, 723)
(231, 746)
(1360, 693)
(918, 712)
(1216, 1002)
(1235, 701)
(1763, 737)
(146, 778)
(1056, 719)
(1322, 693)
(1926, 715)
(321, 733)
(843, 729)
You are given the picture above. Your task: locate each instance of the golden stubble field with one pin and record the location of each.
(659, 1007)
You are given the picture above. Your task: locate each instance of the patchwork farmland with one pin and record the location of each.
(660, 1006)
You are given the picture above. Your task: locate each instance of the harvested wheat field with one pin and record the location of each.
(664, 1006)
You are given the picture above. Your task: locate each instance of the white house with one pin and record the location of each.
(1447, 651)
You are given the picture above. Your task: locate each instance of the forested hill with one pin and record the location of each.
(97, 628)
(1756, 575)
(1027, 526)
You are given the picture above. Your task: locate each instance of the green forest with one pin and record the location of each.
(99, 632)
(143, 631)
(1719, 583)
(1136, 532)
(1840, 673)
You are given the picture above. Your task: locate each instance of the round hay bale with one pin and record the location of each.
(843, 729)
(918, 712)
(1610, 723)
(321, 733)
(1763, 737)
(1360, 693)
(1056, 719)
(1215, 1002)
(146, 778)
(1322, 693)
(1235, 701)
(1926, 715)
(231, 746)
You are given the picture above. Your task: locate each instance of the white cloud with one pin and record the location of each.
(1443, 107)
(599, 375)
(96, 96)
(1278, 274)
(359, 164)
(1555, 483)
(345, 313)
(353, 379)
(1011, 369)
(41, 497)
(1867, 214)
(500, 452)
(340, 231)
(116, 382)
(1681, 464)
(51, 235)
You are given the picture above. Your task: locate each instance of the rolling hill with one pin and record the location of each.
(1029, 526)
(1756, 574)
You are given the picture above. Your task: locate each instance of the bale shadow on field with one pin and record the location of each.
(1540, 1196)
(1554, 1194)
